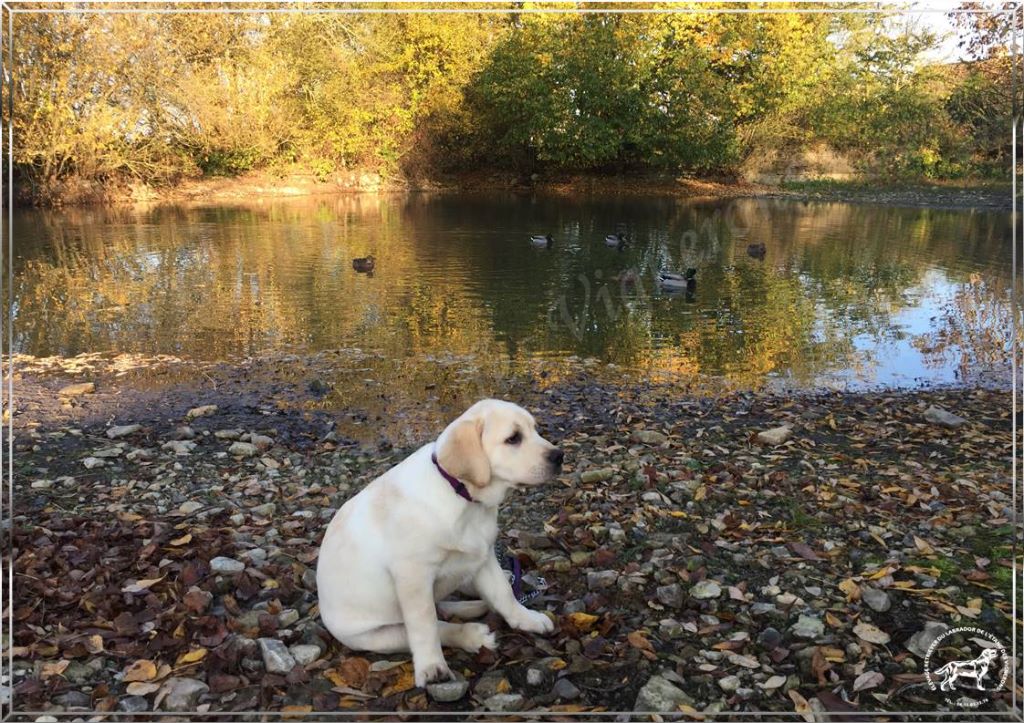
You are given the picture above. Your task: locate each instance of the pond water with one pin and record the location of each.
(843, 296)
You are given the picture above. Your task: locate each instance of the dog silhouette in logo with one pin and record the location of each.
(978, 668)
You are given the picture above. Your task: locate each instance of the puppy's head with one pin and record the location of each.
(496, 441)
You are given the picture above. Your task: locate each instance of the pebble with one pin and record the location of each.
(535, 677)
(706, 590)
(504, 702)
(649, 436)
(182, 694)
(774, 436)
(943, 418)
(807, 627)
(123, 430)
(565, 689)
(729, 683)
(202, 411)
(769, 638)
(180, 447)
(288, 617)
(597, 475)
(77, 390)
(660, 696)
(305, 654)
(920, 641)
(602, 579)
(187, 508)
(133, 704)
(276, 657)
(449, 691)
(242, 449)
(264, 510)
(92, 462)
(671, 595)
(226, 565)
(877, 600)
(42, 484)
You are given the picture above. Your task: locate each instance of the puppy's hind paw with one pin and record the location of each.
(476, 636)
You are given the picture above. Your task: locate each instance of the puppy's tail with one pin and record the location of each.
(462, 609)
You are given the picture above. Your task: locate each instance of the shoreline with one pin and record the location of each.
(261, 187)
(688, 561)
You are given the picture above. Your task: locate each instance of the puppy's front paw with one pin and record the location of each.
(531, 621)
(431, 672)
(476, 636)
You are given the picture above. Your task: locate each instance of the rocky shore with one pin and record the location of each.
(703, 553)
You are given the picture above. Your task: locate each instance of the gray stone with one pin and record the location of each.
(649, 436)
(226, 565)
(242, 449)
(775, 436)
(535, 677)
(706, 590)
(602, 579)
(261, 442)
(133, 704)
(92, 462)
(449, 691)
(77, 390)
(502, 702)
(123, 430)
(202, 411)
(565, 690)
(808, 628)
(877, 600)
(729, 683)
(182, 694)
(264, 510)
(180, 447)
(276, 657)
(288, 617)
(74, 699)
(769, 638)
(671, 595)
(187, 508)
(660, 696)
(597, 475)
(939, 416)
(305, 654)
(42, 484)
(920, 641)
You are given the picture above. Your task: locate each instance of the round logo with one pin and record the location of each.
(964, 681)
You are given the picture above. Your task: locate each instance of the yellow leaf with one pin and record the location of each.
(295, 711)
(94, 644)
(832, 620)
(140, 688)
(141, 585)
(801, 706)
(558, 664)
(923, 546)
(700, 493)
(140, 670)
(691, 711)
(404, 682)
(192, 656)
(183, 540)
(583, 621)
(51, 669)
(851, 588)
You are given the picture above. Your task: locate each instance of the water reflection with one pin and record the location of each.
(844, 293)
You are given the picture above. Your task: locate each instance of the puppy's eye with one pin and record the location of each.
(514, 439)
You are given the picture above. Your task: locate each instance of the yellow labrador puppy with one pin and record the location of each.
(426, 528)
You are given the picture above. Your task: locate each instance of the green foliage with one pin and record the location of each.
(156, 97)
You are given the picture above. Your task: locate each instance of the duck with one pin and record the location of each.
(672, 281)
(542, 240)
(615, 240)
(364, 265)
(758, 251)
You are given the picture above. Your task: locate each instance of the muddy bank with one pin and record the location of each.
(165, 543)
(255, 186)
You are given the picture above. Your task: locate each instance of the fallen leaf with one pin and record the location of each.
(192, 656)
(865, 681)
(140, 670)
(867, 631)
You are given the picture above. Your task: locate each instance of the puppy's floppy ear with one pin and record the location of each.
(460, 451)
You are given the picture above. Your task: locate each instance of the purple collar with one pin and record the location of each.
(460, 489)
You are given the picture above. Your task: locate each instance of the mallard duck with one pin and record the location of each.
(757, 250)
(542, 240)
(615, 240)
(364, 265)
(668, 280)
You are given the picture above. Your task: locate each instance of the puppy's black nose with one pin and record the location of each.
(556, 456)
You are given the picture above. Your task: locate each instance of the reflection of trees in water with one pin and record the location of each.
(455, 275)
(979, 329)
